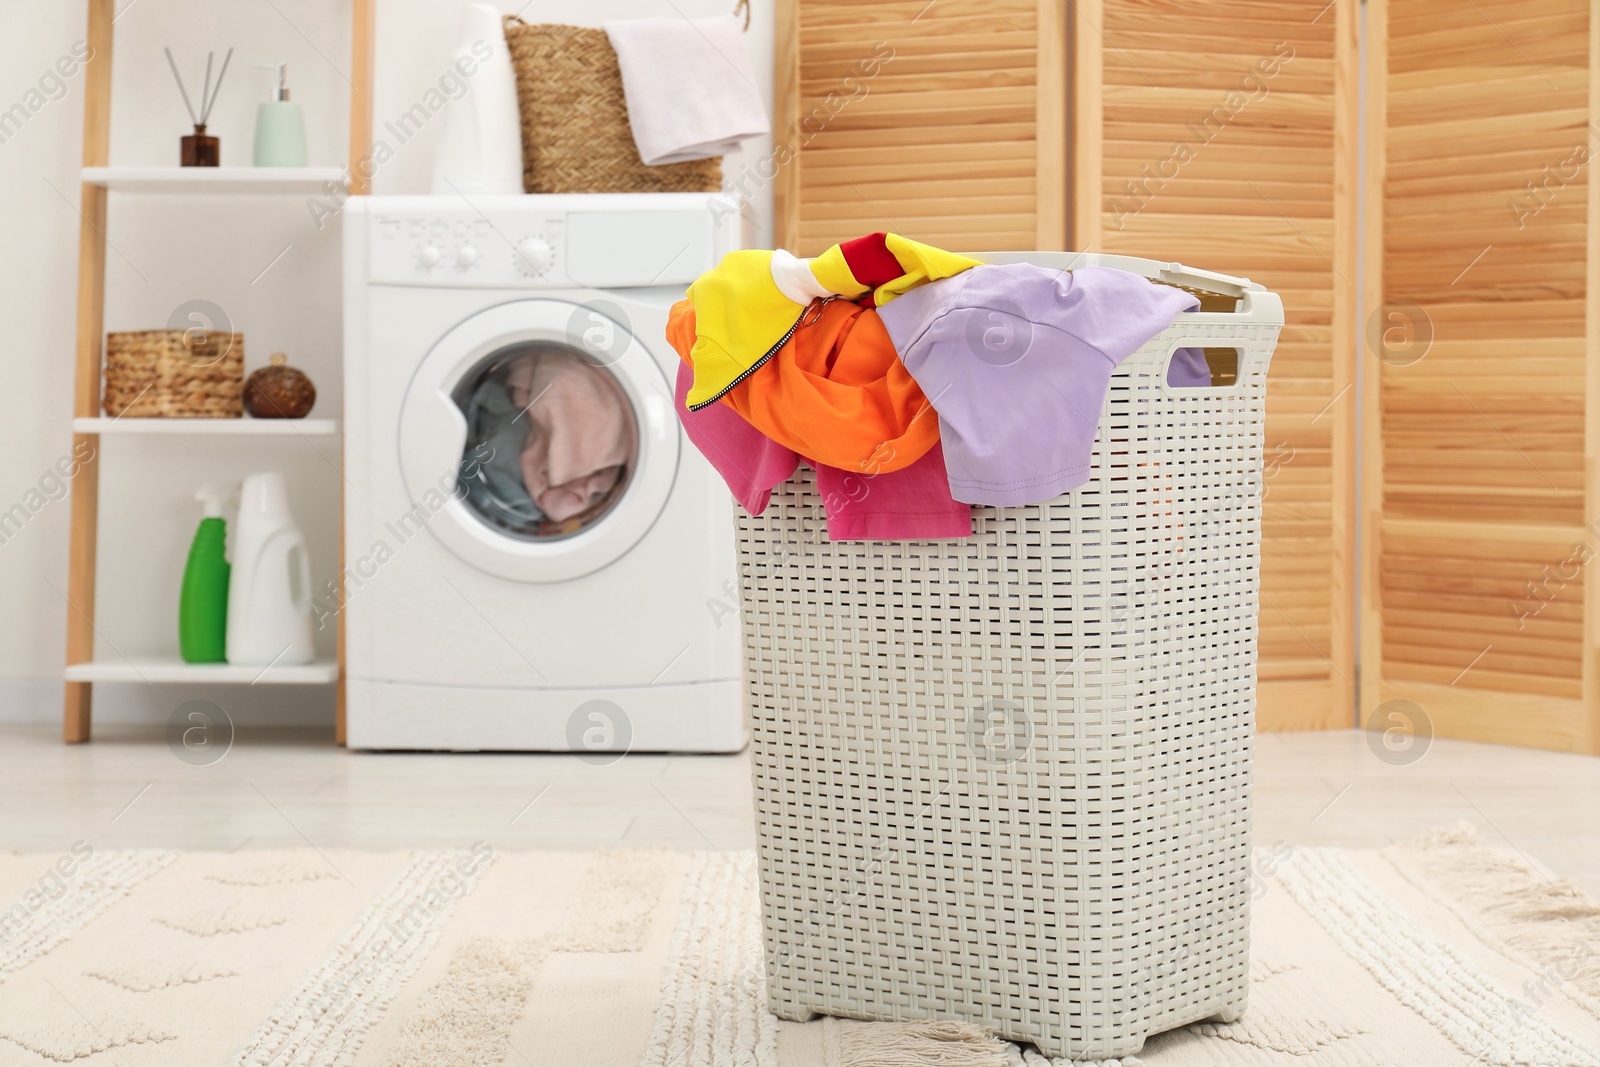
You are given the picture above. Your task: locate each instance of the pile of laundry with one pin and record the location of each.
(915, 381)
(550, 440)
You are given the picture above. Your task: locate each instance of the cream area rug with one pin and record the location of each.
(1440, 951)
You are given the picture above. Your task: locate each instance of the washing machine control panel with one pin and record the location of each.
(554, 242)
(455, 249)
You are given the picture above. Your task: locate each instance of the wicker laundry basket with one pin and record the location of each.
(175, 374)
(575, 132)
(1007, 779)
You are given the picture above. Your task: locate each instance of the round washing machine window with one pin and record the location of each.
(551, 441)
(534, 450)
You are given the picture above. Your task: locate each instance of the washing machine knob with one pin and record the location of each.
(534, 255)
(466, 256)
(429, 256)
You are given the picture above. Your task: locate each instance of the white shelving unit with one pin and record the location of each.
(244, 427)
(162, 669)
(214, 181)
(99, 180)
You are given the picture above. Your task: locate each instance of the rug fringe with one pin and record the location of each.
(1549, 920)
(941, 1043)
(945, 1043)
(1032, 1058)
(1457, 833)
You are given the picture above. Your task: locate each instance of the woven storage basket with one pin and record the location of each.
(575, 132)
(175, 374)
(1007, 779)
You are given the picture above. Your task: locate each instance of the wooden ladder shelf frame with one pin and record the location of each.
(77, 710)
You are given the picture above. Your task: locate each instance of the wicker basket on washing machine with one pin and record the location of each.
(576, 136)
(1007, 779)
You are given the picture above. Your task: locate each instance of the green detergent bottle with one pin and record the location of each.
(203, 601)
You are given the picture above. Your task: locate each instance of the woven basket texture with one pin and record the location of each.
(1007, 779)
(175, 374)
(575, 132)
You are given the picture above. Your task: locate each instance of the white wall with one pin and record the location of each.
(413, 48)
(166, 251)
(37, 290)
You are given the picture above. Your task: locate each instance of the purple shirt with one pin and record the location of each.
(1016, 359)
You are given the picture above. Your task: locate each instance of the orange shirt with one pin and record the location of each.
(836, 392)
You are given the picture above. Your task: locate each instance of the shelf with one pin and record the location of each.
(242, 427)
(173, 669)
(176, 187)
(214, 181)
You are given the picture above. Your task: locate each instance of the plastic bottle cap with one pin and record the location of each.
(481, 22)
(265, 493)
(215, 497)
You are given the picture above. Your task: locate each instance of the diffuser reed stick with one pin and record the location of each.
(205, 87)
(179, 79)
(199, 149)
(205, 112)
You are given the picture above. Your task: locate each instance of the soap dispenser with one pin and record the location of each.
(203, 599)
(269, 604)
(280, 128)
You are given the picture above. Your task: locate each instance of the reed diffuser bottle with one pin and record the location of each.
(200, 149)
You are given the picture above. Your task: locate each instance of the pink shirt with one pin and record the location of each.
(906, 505)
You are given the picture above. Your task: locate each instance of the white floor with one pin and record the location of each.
(128, 789)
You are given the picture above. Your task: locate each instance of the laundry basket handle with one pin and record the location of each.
(1173, 273)
(1255, 302)
(1209, 280)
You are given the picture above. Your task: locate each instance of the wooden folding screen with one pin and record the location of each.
(943, 120)
(1481, 400)
(1216, 132)
(1222, 133)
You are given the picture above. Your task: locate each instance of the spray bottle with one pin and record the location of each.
(203, 600)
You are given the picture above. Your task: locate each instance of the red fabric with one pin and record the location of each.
(870, 260)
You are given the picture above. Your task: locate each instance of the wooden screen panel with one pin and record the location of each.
(1221, 133)
(945, 122)
(1477, 438)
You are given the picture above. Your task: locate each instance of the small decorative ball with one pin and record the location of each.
(279, 391)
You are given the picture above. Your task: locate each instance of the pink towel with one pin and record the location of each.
(907, 505)
(580, 435)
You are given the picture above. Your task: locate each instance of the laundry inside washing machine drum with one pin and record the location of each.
(551, 441)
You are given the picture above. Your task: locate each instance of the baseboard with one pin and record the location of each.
(38, 700)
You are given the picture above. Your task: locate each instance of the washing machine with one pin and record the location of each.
(534, 559)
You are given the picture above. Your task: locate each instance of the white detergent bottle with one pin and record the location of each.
(269, 595)
(481, 149)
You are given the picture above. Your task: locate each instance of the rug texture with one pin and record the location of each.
(1439, 951)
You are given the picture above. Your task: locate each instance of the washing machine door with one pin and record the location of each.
(538, 441)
